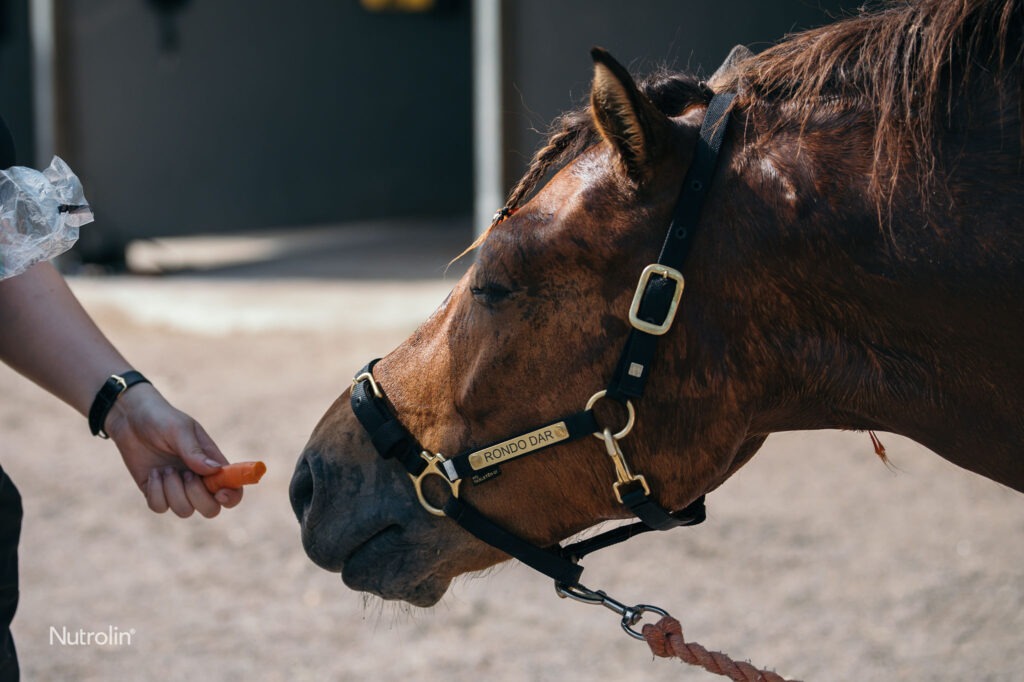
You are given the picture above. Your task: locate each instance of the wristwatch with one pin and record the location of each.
(108, 395)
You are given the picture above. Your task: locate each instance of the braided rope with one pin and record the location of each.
(666, 640)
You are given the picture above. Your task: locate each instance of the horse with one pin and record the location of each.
(858, 264)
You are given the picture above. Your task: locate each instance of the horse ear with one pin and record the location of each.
(727, 73)
(626, 118)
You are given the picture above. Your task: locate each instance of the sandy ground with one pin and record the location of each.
(816, 561)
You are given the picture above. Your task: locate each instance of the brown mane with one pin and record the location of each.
(901, 64)
(894, 62)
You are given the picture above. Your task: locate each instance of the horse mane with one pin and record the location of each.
(901, 62)
(895, 60)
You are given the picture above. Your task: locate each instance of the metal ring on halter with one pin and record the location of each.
(629, 422)
(433, 468)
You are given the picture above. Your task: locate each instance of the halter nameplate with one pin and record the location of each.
(518, 446)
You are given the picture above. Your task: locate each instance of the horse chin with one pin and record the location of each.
(423, 594)
(379, 565)
(384, 565)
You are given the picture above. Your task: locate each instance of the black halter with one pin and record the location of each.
(651, 315)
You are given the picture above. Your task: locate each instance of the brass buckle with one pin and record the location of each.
(120, 380)
(434, 464)
(622, 472)
(368, 376)
(640, 479)
(641, 287)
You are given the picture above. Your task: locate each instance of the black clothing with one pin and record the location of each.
(10, 513)
(10, 532)
(7, 156)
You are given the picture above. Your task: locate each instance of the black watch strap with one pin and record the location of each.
(107, 396)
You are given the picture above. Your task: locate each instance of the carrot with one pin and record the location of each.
(235, 475)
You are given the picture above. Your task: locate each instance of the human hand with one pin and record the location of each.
(167, 452)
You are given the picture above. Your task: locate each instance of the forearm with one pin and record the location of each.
(47, 336)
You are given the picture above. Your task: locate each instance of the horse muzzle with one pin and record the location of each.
(361, 522)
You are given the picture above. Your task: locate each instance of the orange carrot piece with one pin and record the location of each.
(235, 475)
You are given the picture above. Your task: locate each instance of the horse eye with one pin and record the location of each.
(490, 293)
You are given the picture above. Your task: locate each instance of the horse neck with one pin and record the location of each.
(912, 327)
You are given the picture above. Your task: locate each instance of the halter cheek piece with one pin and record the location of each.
(651, 314)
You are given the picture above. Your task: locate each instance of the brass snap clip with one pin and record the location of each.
(435, 464)
(622, 472)
(611, 444)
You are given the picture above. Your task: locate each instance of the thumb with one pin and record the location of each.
(191, 451)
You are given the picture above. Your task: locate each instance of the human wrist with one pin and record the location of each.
(110, 396)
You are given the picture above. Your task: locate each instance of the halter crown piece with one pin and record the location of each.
(651, 315)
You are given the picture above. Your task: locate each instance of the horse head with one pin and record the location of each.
(531, 332)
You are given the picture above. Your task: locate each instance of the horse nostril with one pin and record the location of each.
(301, 489)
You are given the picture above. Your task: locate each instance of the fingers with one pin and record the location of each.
(229, 497)
(198, 496)
(209, 447)
(185, 493)
(155, 492)
(212, 459)
(174, 492)
(197, 449)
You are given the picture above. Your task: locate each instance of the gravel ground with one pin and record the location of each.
(816, 561)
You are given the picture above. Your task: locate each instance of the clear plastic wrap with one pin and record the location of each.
(40, 213)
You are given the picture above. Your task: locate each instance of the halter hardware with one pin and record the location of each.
(622, 472)
(368, 376)
(631, 615)
(630, 420)
(611, 444)
(434, 468)
(641, 289)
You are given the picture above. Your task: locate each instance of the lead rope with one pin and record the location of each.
(666, 641)
(666, 636)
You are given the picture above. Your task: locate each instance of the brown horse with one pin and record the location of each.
(859, 265)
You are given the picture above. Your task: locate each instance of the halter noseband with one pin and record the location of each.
(651, 314)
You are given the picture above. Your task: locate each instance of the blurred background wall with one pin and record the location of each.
(213, 116)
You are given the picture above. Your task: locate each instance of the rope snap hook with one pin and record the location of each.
(631, 615)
